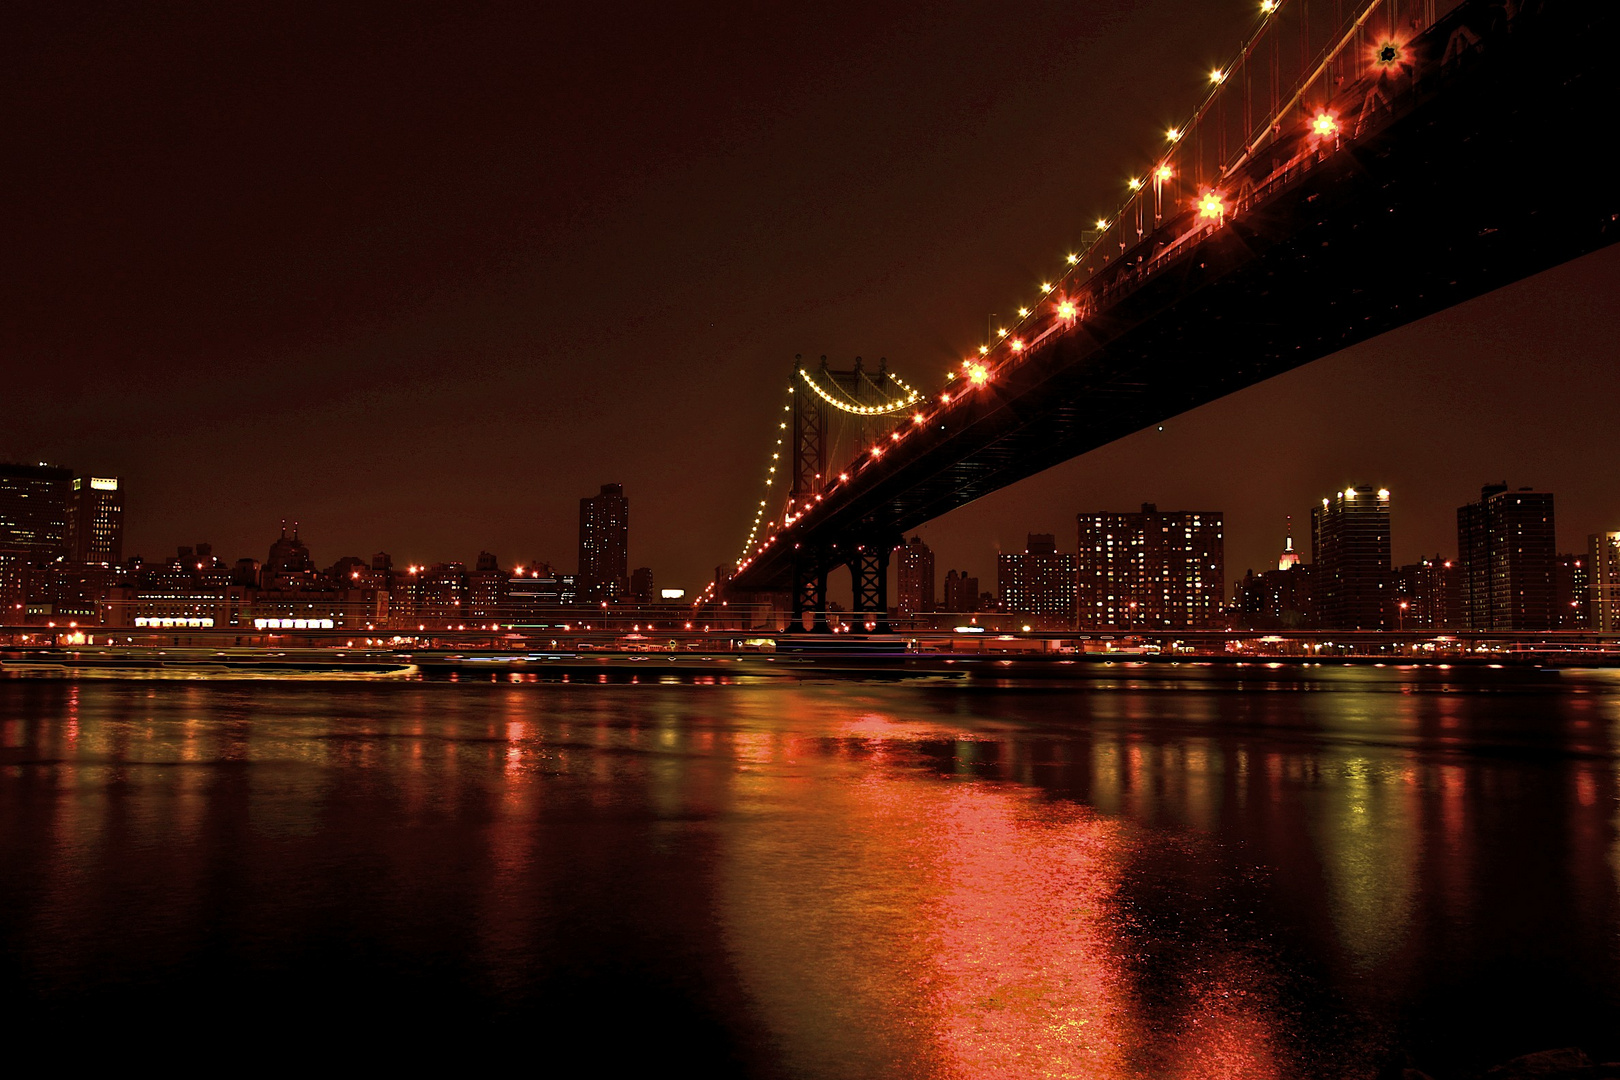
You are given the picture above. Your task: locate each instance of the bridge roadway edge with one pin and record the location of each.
(1484, 183)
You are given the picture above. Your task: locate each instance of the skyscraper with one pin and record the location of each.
(34, 511)
(1038, 582)
(1152, 570)
(96, 520)
(1508, 554)
(1350, 541)
(915, 577)
(33, 529)
(604, 544)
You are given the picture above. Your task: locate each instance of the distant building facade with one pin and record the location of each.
(1350, 545)
(641, 585)
(1508, 552)
(288, 565)
(1277, 599)
(34, 510)
(914, 577)
(33, 529)
(604, 544)
(1571, 610)
(961, 592)
(1151, 570)
(1428, 595)
(1039, 582)
(1603, 582)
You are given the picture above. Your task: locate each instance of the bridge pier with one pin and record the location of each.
(818, 618)
(870, 571)
(809, 594)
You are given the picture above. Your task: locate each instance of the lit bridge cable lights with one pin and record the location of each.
(843, 404)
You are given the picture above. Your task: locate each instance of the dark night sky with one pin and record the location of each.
(422, 278)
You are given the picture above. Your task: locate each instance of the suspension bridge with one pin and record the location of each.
(1356, 167)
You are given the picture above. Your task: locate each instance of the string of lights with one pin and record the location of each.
(770, 481)
(901, 405)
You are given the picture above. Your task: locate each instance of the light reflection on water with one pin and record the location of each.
(1176, 875)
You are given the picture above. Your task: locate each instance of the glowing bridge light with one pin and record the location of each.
(877, 451)
(1134, 183)
(1173, 134)
(1211, 205)
(1073, 258)
(919, 418)
(1023, 312)
(1001, 331)
(1387, 54)
(1163, 173)
(1267, 6)
(1046, 286)
(1102, 223)
(1017, 346)
(978, 375)
(1066, 310)
(1217, 76)
(1324, 125)
(983, 349)
(1383, 493)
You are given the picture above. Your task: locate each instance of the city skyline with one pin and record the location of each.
(1513, 556)
(466, 377)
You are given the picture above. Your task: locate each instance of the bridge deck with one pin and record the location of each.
(1468, 179)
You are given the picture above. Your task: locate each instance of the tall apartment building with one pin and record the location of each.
(96, 520)
(1152, 570)
(604, 545)
(1350, 542)
(1508, 553)
(1038, 582)
(914, 577)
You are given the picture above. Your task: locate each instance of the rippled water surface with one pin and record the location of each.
(1189, 873)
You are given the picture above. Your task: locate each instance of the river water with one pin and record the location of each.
(1191, 872)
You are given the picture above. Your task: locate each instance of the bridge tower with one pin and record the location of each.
(809, 480)
(809, 438)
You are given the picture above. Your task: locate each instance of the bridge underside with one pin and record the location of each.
(1484, 181)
